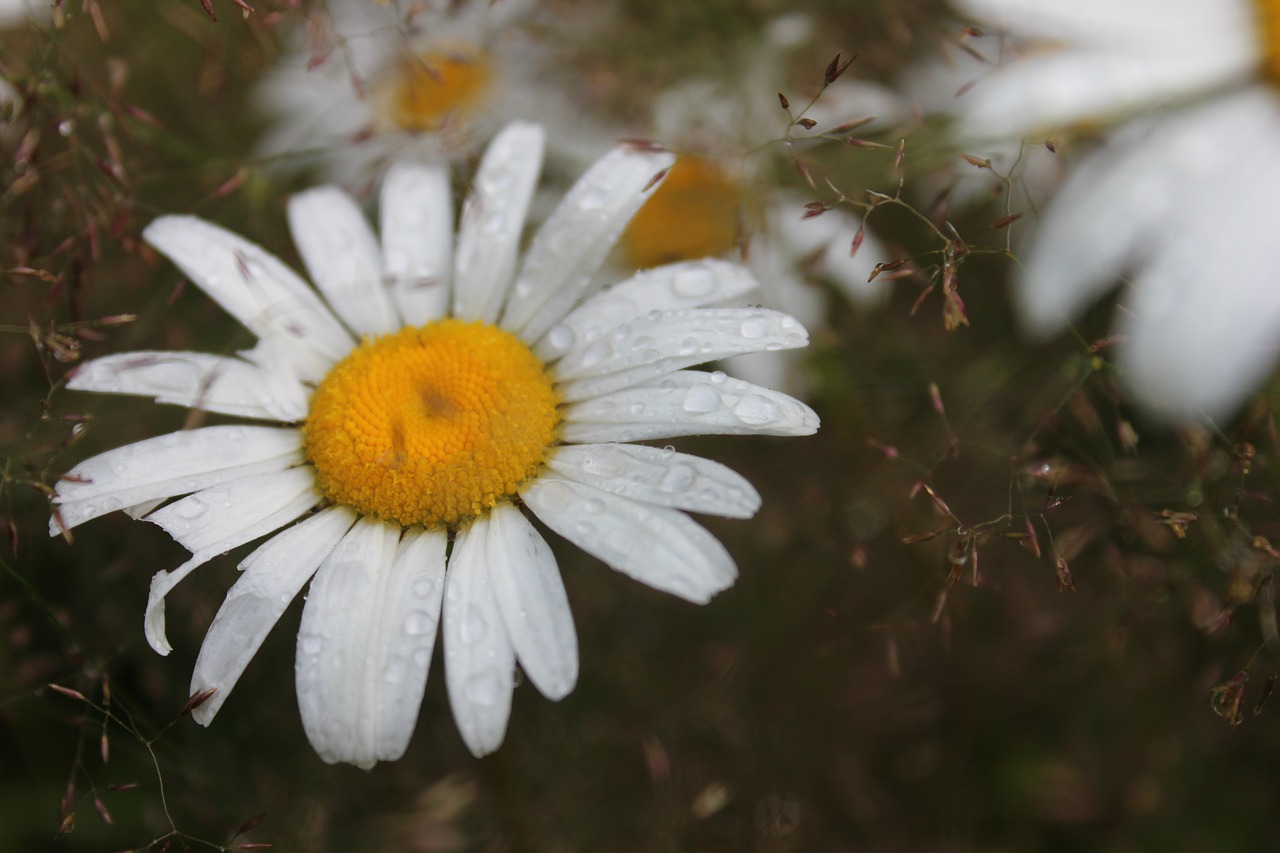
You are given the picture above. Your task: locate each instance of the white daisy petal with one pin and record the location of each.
(273, 576)
(658, 476)
(531, 597)
(255, 288)
(417, 240)
(343, 258)
(687, 402)
(342, 645)
(213, 516)
(493, 220)
(479, 660)
(169, 465)
(572, 243)
(1144, 22)
(1117, 201)
(661, 547)
(232, 515)
(410, 616)
(690, 284)
(208, 382)
(664, 341)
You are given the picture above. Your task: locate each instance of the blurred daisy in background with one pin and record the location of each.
(479, 388)
(719, 199)
(15, 13)
(1179, 200)
(367, 82)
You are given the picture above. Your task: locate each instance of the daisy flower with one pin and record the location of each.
(1162, 201)
(716, 201)
(416, 410)
(365, 83)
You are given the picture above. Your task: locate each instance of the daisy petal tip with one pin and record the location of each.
(154, 620)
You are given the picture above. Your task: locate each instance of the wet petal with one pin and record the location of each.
(661, 547)
(168, 465)
(479, 660)
(342, 257)
(658, 476)
(661, 342)
(687, 402)
(256, 288)
(570, 246)
(493, 220)
(417, 240)
(208, 382)
(690, 284)
(342, 645)
(272, 577)
(532, 600)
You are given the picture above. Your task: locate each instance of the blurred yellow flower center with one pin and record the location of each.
(431, 425)
(429, 90)
(694, 214)
(1269, 13)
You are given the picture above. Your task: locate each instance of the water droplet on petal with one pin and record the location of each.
(310, 644)
(701, 399)
(755, 326)
(419, 622)
(560, 338)
(482, 688)
(678, 478)
(755, 410)
(423, 587)
(693, 283)
(473, 625)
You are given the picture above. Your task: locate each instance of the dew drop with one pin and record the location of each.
(718, 377)
(594, 506)
(473, 625)
(560, 338)
(482, 688)
(678, 478)
(701, 399)
(393, 673)
(310, 645)
(423, 587)
(755, 326)
(693, 284)
(418, 622)
(755, 410)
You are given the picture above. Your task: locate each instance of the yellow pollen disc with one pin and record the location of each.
(429, 90)
(431, 425)
(1269, 21)
(694, 214)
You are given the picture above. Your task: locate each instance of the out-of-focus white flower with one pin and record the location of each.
(1180, 200)
(366, 82)
(411, 412)
(718, 201)
(14, 13)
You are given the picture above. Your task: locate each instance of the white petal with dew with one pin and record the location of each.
(479, 660)
(241, 512)
(342, 645)
(687, 402)
(661, 547)
(202, 520)
(256, 288)
(570, 246)
(209, 382)
(417, 240)
(342, 257)
(689, 284)
(658, 476)
(661, 342)
(493, 220)
(173, 464)
(531, 598)
(272, 577)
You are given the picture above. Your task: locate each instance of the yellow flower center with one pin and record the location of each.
(431, 425)
(1269, 20)
(695, 213)
(426, 91)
